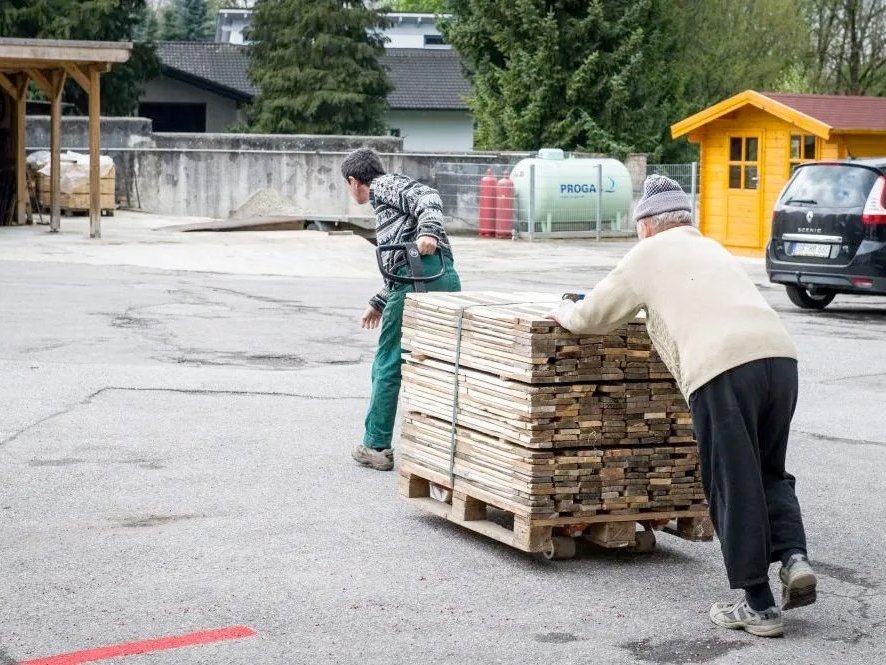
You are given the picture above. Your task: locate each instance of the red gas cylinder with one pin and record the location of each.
(504, 210)
(488, 191)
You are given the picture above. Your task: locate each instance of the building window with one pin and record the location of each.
(744, 157)
(434, 40)
(395, 131)
(804, 148)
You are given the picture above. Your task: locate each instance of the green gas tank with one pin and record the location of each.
(561, 194)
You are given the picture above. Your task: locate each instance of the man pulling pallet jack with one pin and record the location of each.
(736, 365)
(413, 255)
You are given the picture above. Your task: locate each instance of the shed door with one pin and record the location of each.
(743, 226)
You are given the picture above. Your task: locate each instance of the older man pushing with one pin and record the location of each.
(736, 364)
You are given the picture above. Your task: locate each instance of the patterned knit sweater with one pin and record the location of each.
(405, 210)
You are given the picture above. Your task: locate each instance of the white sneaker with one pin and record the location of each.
(381, 460)
(740, 616)
(798, 583)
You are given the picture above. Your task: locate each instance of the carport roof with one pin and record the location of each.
(821, 115)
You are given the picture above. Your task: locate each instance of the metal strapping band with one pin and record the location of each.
(455, 385)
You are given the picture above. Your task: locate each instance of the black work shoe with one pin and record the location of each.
(798, 583)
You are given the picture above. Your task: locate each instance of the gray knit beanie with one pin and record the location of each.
(661, 194)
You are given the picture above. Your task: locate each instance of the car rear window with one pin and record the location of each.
(830, 186)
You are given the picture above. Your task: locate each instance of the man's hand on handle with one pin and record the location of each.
(426, 245)
(370, 319)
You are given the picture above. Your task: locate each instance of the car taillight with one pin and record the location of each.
(875, 208)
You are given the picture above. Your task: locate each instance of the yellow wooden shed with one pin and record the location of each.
(750, 144)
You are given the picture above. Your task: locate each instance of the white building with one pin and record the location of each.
(204, 86)
(406, 30)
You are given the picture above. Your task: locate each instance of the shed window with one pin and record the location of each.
(744, 154)
(804, 148)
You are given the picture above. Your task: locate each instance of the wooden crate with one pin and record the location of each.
(78, 200)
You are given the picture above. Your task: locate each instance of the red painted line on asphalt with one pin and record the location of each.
(146, 646)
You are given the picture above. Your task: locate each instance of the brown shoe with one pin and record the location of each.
(381, 460)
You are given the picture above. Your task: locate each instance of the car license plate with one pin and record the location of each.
(808, 249)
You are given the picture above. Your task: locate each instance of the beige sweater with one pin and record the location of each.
(704, 313)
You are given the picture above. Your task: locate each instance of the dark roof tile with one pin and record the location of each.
(423, 79)
(426, 79)
(219, 65)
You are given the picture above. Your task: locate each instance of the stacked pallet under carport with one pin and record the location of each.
(571, 435)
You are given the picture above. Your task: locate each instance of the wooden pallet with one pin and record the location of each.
(554, 537)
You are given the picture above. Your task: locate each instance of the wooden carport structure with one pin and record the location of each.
(48, 63)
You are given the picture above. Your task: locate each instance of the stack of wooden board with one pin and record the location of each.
(512, 339)
(548, 483)
(547, 424)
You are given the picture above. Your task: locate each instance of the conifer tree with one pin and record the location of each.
(100, 20)
(187, 21)
(567, 73)
(316, 65)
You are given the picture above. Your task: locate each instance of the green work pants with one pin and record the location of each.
(382, 413)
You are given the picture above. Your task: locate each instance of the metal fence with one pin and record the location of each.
(459, 187)
(686, 175)
(543, 205)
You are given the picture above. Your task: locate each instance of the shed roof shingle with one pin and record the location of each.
(423, 79)
(821, 115)
(838, 111)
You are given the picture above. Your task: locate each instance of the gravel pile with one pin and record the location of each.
(266, 203)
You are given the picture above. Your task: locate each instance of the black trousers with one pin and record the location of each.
(742, 420)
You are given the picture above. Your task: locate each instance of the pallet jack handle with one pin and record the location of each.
(416, 270)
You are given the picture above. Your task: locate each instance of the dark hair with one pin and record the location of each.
(363, 165)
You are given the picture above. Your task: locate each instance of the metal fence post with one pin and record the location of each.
(599, 229)
(694, 187)
(530, 207)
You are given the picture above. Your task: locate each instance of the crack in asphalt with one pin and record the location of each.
(852, 377)
(184, 391)
(864, 597)
(837, 439)
(292, 305)
(157, 331)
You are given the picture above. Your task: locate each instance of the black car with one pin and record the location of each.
(829, 232)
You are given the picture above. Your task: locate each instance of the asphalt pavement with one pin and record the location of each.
(174, 458)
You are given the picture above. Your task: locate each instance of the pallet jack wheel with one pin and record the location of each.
(560, 547)
(645, 541)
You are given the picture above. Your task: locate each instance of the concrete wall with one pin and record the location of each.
(221, 112)
(210, 175)
(433, 131)
(116, 133)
